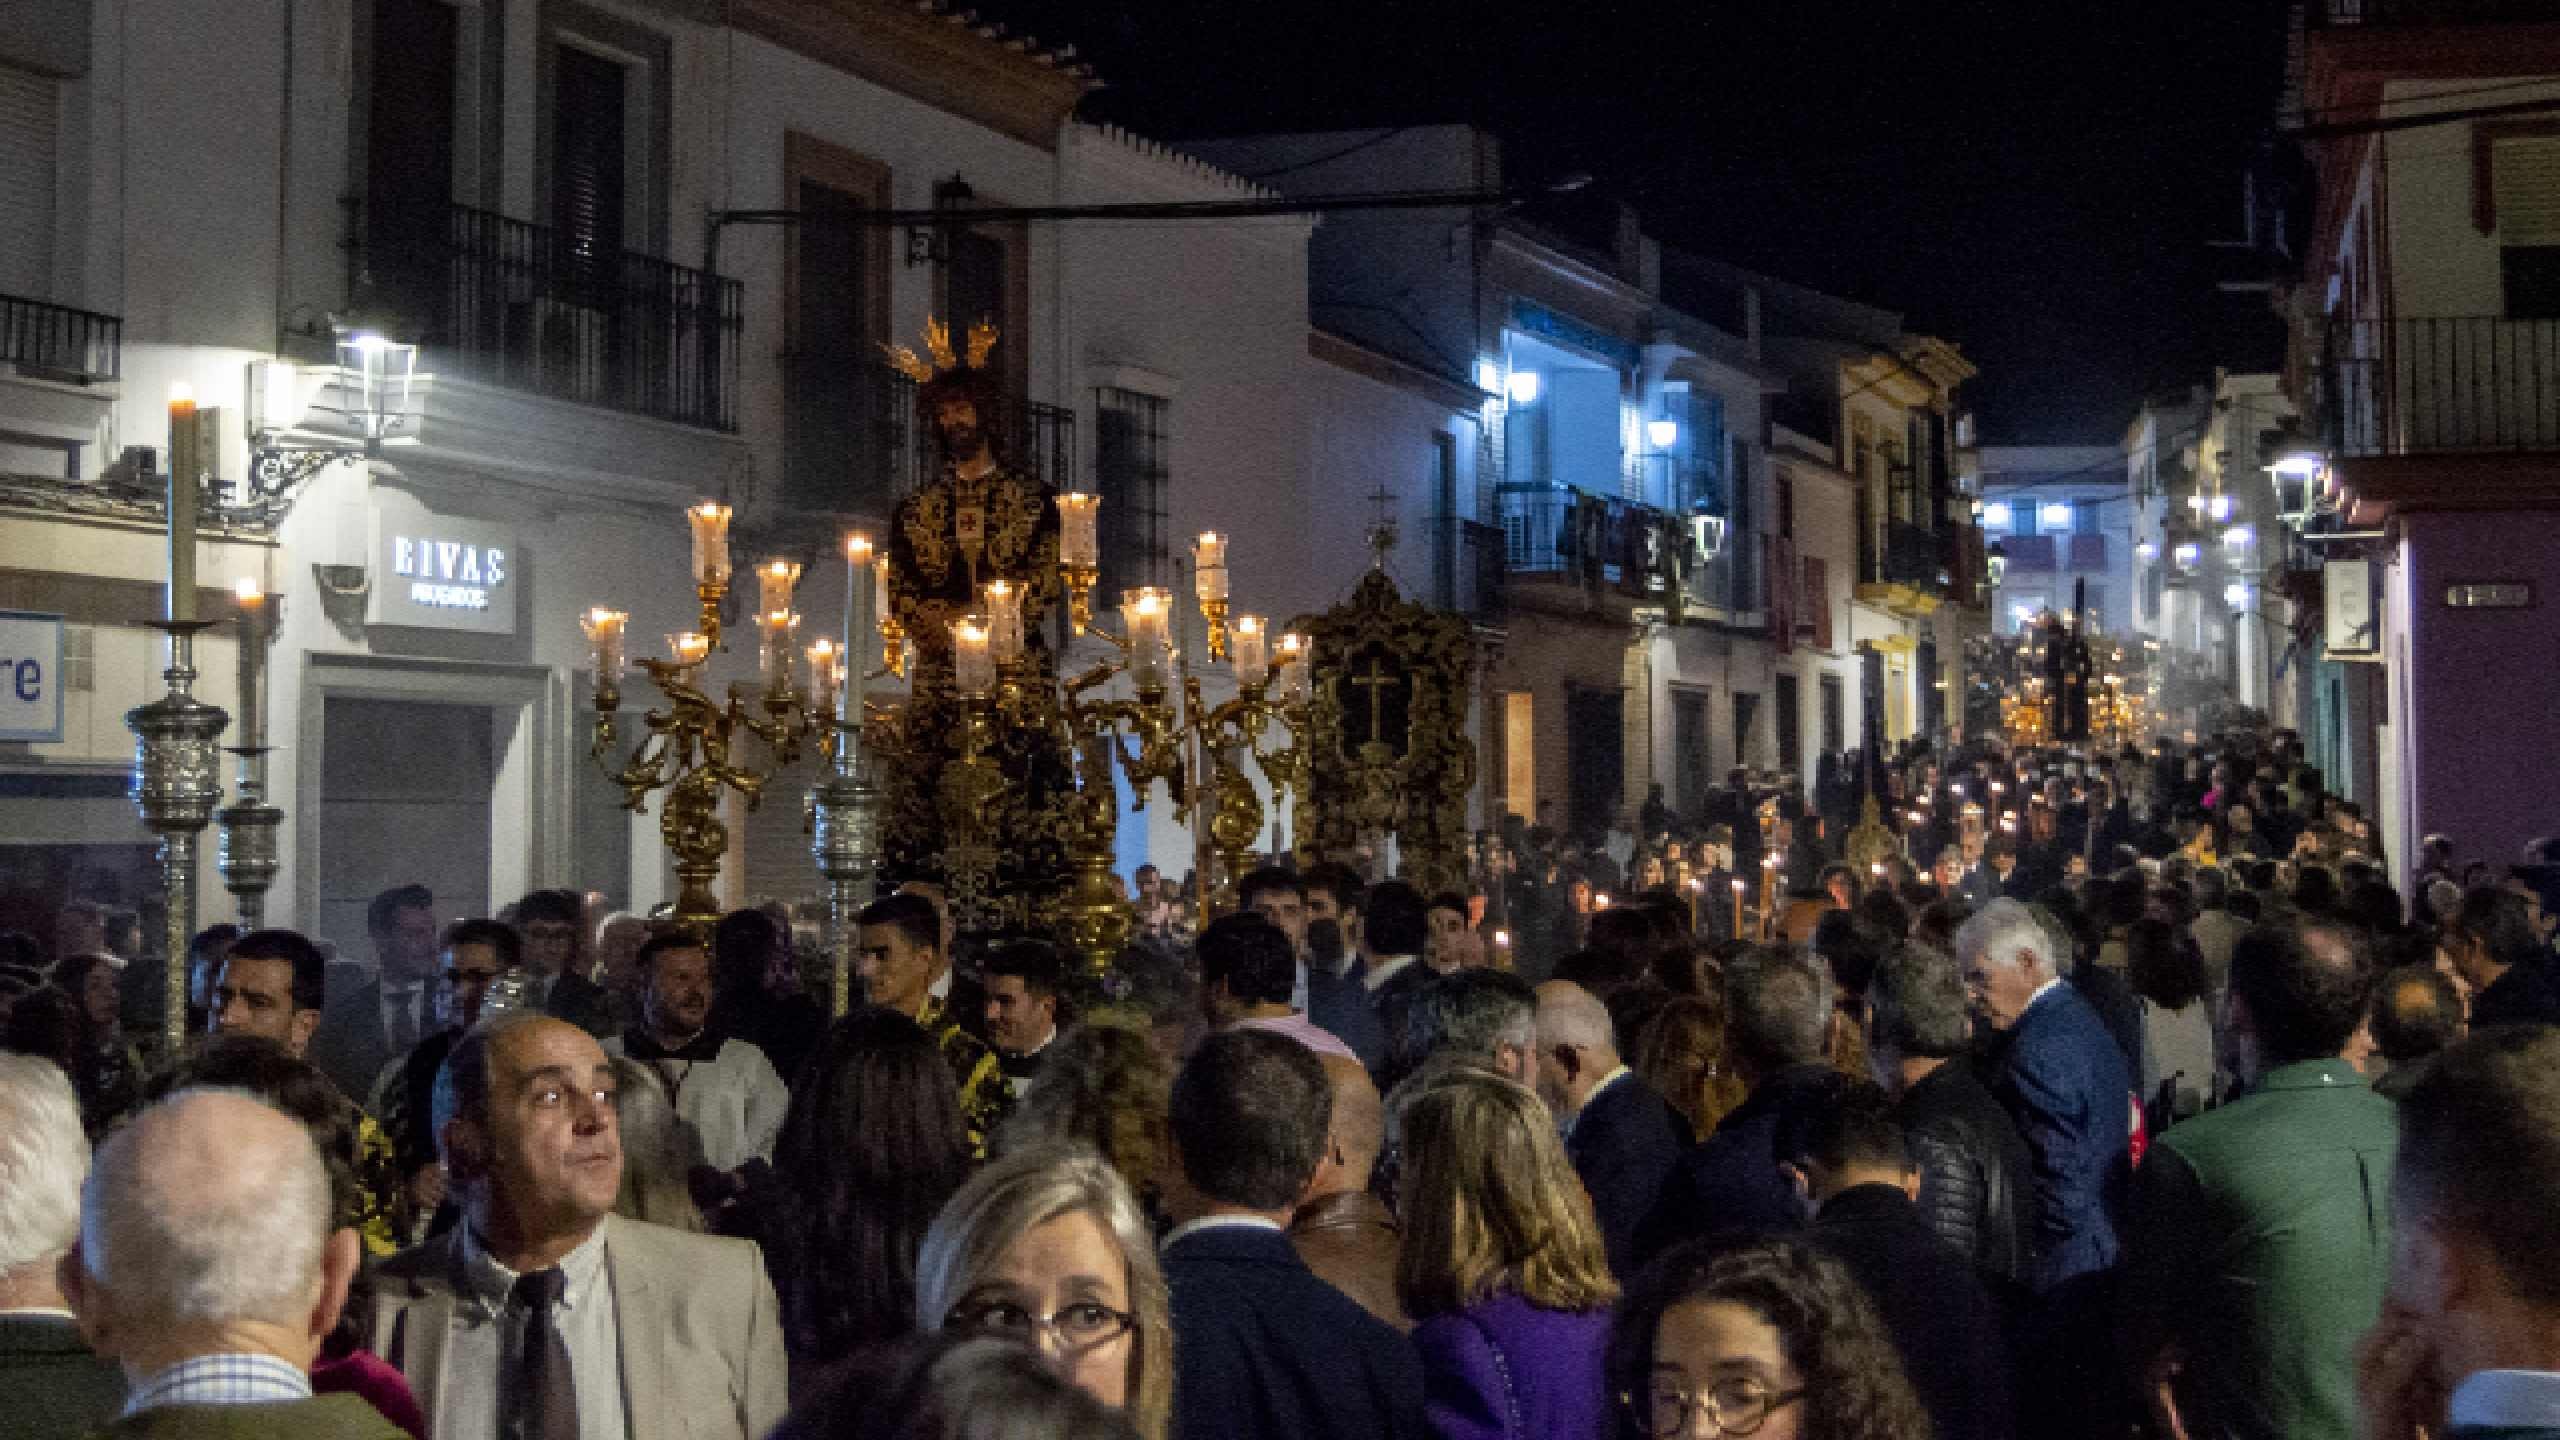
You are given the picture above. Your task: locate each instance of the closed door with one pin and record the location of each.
(1596, 757)
(1790, 732)
(404, 800)
(1692, 768)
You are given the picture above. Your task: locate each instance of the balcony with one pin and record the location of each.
(2407, 14)
(523, 306)
(856, 445)
(1579, 538)
(2029, 554)
(1904, 567)
(56, 342)
(2088, 552)
(2439, 386)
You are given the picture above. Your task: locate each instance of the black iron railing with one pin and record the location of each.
(58, 341)
(1470, 570)
(521, 305)
(2418, 386)
(1905, 554)
(1589, 539)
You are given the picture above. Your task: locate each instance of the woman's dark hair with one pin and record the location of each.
(872, 1147)
(1854, 1385)
(47, 1024)
(2374, 905)
(742, 945)
(2163, 964)
(951, 1385)
(2315, 892)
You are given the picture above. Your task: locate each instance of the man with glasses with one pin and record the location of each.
(475, 953)
(377, 1012)
(553, 924)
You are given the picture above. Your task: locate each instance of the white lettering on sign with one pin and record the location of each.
(448, 574)
(30, 676)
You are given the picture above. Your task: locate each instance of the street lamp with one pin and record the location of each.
(381, 392)
(1995, 563)
(1663, 433)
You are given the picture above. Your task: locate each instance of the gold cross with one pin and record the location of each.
(1375, 682)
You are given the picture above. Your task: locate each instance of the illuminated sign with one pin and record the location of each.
(30, 676)
(433, 571)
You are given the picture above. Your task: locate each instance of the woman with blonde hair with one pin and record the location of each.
(1047, 1245)
(1502, 1267)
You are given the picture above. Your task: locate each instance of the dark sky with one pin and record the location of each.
(2036, 180)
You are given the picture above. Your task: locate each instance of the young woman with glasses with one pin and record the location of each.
(1047, 1245)
(1771, 1338)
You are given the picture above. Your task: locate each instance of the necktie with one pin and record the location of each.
(543, 1401)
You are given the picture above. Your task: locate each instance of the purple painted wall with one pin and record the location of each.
(2483, 696)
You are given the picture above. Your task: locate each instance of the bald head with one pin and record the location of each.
(1358, 1129)
(208, 1215)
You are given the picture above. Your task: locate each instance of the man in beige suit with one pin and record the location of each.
(543, 1317)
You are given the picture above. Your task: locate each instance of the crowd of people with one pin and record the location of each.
(2121, 1094)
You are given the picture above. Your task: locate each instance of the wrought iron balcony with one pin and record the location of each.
(527, 307)
(2427, 386)
(856, 443)
(1910, 555)
(58, 342)
(1577, 537)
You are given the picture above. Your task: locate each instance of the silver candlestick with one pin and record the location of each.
(845, 842)
(176, 783)
(246, 853)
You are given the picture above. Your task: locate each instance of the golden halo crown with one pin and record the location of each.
(938, 358)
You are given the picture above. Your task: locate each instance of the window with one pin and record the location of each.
(589, 183)
(2087, 516)
(1132, 473)
(847, 424)
(1790, 704)
(2525, 179)
(987, 279)
(2022, 515)
(1835, 715)
(28, 105)
(1786, 485)
(409, 149)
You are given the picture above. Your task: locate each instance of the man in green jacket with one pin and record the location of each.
(51, 1386)
(2259, 1243)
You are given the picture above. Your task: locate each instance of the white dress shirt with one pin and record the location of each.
(734, 1102)
(1219, 1222)
(480, 1350)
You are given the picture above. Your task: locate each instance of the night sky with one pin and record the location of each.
(2037, 180)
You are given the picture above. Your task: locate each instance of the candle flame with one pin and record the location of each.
(181, 393)
(857, 548)
(1252, 625)
(248, 590)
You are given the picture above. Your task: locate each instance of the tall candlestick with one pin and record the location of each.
(824, 672)
(1004, 620)
(186, 473)
(858, 599)
(775, 580)
(1079, 541)
(1209, 565)
(253, 650)
(710, 522)
(1253, 664)
(973, 666)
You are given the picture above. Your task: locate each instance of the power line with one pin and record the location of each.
(1354, 148)
(2388, 123)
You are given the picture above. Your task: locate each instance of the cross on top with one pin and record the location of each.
(1382, 525)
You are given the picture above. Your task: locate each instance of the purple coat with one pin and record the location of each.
(1504, 1369)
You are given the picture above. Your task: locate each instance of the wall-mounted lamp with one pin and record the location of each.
(1522, 387)
(1663, 433)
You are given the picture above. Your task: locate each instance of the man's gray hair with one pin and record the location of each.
(1999, 930)
(1779, 1002)
(1471, 1014)
(199, 1212)
(1918, 1005)
(43, 1158)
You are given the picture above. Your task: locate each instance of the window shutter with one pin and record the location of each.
(1817, 600)
(2526, 173)
(587, 166)
(27, 117)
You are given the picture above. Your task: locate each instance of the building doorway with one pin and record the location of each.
(1790, 724)
(1595, 732)
(1692, 767)
(404, 799)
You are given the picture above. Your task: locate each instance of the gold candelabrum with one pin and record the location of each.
(695, 746)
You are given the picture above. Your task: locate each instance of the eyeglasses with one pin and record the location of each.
(1732, 1407)
(1080, 1326)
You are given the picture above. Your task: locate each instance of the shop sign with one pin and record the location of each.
(2351, 624)
(440, 572)
(30, 676)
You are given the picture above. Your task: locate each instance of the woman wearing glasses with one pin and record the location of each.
(1772, 1339)
(1047, 1245)
(1502, 1267)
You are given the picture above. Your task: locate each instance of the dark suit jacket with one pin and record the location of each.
(2119, 1009)
(1625, 1144)
(322, 1417)
(585, 1004)
(1263, 1350)
(1337, 1004)
(2062, 1079)
(2524, 995)
(350, 1046)
(1730, 1181)
(55, 1387)
(1393, 1001)
(1944, 1324)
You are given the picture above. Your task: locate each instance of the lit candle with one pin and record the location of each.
(690, 647)
(1079, 540)
(858, 613)
(253, 649)
(824, 673)
(186, 472)
(1147, 614)
(1253, 663)
(1004, 620)
(973, 667)
(604, 640)
(1737, 906)
(775, 580)
(1209, 565)
(1293, 667)
(773, 657)
(710, 522)
(1599, 902)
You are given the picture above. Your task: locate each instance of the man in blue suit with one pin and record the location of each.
(1262, 1349)
(2063, 1080)
(1624, 1139)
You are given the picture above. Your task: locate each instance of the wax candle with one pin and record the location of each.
(1253, 663)
(1004, 620)
(860, 576)
(1147, 614)
(186, 473)
(1209, 565)
(604, 630)
(253, 652)
(824, 673)
(775, 580)
(710, 522)
(973, 665)
(689, 647)
(1079, 541)
(773, 658)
